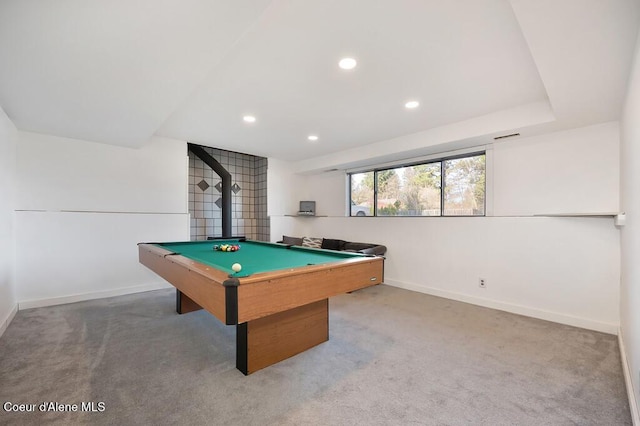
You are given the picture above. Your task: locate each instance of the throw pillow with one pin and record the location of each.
(291, 241)
(312, 242)
(330, 244)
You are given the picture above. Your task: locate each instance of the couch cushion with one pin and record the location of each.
(311, 242)
(358, 246)
(330, 244)
(292, 241)
(375, 250)
(366, 248)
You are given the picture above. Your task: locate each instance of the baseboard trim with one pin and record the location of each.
(52, 301)
(5, 323)
(626, 371)
(605, 327)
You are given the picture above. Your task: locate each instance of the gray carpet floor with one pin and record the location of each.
(394, 357)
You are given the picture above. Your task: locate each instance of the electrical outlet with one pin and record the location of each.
(482, 283)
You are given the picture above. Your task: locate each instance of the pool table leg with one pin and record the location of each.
(268, 340)
(184, 304)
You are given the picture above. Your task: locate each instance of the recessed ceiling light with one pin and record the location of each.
(347, 63)
(249, 119)
(412, 104)
(312, 138)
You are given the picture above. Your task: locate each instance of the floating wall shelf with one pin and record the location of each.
(598, 214)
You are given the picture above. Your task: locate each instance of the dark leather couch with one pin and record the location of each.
(335, 244)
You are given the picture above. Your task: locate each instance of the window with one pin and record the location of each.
(464, 186)
(362, 194)
(453, 186)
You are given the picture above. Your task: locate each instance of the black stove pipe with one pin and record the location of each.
(199, 152)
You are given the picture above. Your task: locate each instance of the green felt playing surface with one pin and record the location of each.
(254, 256)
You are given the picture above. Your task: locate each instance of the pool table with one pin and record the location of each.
(278, 300)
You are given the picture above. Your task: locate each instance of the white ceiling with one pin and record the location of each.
(121, 71)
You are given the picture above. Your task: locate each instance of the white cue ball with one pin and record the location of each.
(236, 267)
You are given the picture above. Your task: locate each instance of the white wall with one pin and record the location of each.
(283, 187)
(8, 140)
(561, 269)
(574, 171)
(57, 173)
(630, 235)
(81, 207)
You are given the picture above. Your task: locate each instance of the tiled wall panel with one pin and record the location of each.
(249, 195)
